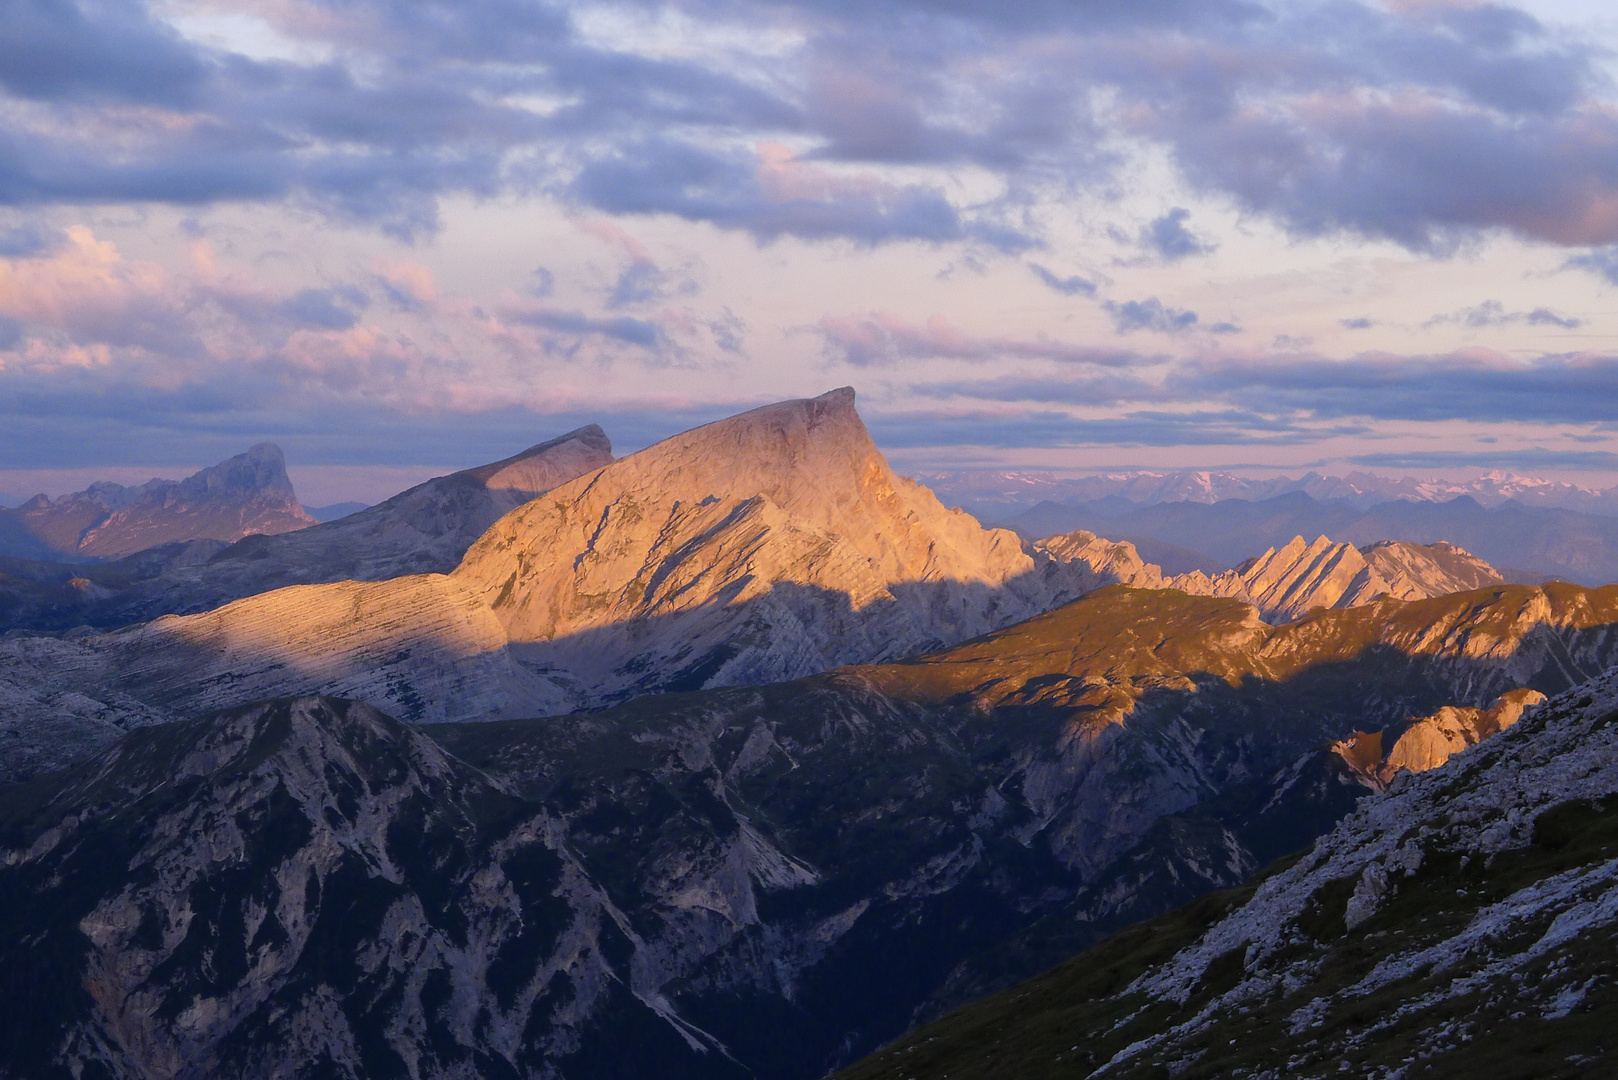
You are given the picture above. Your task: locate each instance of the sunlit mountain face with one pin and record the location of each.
(567, 540)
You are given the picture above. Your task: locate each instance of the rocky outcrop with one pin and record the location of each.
(426, 529)
(1287, 582)
(1429, 741)
(1094, 562)
(247, 495)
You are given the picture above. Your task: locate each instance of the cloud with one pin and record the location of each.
(1039, 428)
(1493, 313)
(1169, 239)
(53, 50)
(1358, 323)
(1477, 386)
(1425, 124)
(772, 193)
(25, 242)
(1067, 286)
(880, 337)
(1150, 314)
(1603, 262)
(576, 325)
(326, 309)
(1536, 457)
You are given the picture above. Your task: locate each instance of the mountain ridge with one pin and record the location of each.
(425, 529)
(245, 495)
(1462, 921)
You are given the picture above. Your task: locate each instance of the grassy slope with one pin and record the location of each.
(1067, 1022)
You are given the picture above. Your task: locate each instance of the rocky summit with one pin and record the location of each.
(771, 545)
(246, 495)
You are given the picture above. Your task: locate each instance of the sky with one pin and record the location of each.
(401, 236)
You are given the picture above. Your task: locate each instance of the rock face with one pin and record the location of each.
(741, 881)
(247, 495)
(1463, 923)
(1432, 740)
(426, 529)
(1287, 582)
(768, 546)
(308, 888)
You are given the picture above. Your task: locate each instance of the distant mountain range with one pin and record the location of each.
(1523, 543)
(994, 495)
(246, 495)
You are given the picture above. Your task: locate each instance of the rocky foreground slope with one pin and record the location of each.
(759, 881)
(1463, 923)
(1298, 577)
(426, 529)
(246, 495)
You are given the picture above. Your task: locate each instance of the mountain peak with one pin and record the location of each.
(771, 544)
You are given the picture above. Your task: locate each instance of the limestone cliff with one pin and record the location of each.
(767, 546)
(1429, 741)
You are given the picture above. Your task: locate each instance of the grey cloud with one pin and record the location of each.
(643, 281)
(1494, 313)
(326, 309)
(1359, 323)
(1579, 390)
(58, 49)
(1067, 286)
(1150, 314)
(1051, 429)
(662, 176)
(1480, 119)
(880, 338)
(10, 333)
(1101, 389)
(622, 328)
(25, 242)
(1169, 239)
(1554, 389)
(1537, 457)
(1602, 261)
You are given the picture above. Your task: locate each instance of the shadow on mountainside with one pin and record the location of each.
(801, 869)
(841, 858)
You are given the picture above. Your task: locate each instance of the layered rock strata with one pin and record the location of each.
(1287, 582)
